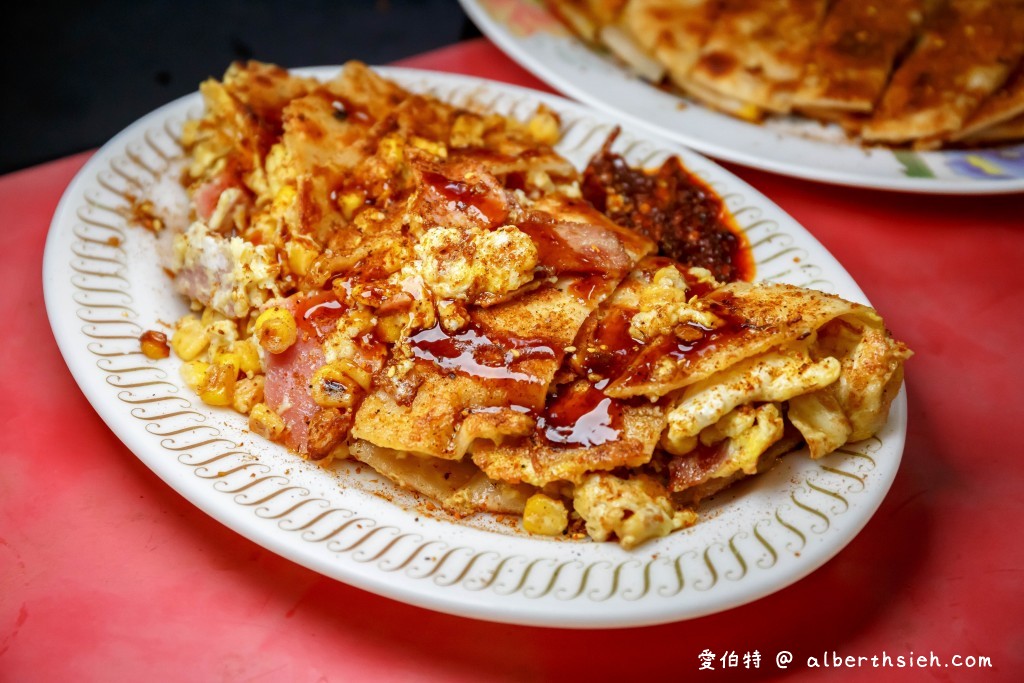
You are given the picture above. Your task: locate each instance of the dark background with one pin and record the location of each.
(74, 74)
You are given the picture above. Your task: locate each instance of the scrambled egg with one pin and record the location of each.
(748, 432)
(634, 510)
(774, 376)
(230, 275)
(665, 304)
(470, 264)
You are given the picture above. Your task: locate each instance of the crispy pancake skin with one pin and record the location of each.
(855, 52)
(757, 50)
(965, 54)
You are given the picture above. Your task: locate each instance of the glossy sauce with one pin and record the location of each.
(580, 415)
(479, 198)
(687, 350)
(318, 313)
(610, 348)
(472, 352)
(586, 288)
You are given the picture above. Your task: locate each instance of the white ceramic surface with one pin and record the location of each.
(792, 146)
(103, 287)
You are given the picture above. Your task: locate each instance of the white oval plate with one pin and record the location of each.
(104, 287)
(792, 146)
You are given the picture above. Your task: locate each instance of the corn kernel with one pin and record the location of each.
(249, 356)
(276, 330)
(390, 149)
(750, 112)
(332, 387)
(300, 257)
(154, 345)
(232, 360)
(389, 329)
(218, 388)
(544, 127)
(436, 148)
(545, 515)
(189, 339)
(248, 392)
(350, 202)
(265, 422)
(193, 373)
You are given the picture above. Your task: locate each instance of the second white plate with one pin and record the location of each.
(792, 146)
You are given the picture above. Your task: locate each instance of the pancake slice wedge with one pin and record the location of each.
(965, 54)
(671, 31)
(757, 50)
(855, 52)
(992, 119)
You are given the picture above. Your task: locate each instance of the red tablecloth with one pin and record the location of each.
(107, 574)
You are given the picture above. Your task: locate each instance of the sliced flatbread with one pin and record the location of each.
(757, 50)
(478, 368)
(994, 119)
(965, 54)
(672, 31)
(599, 22)
(855, 53)
(534, 461)
(1001, 132)
(586, 17)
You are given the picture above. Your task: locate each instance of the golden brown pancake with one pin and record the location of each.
(757, 50)
(966, 52)
(671, 31)
(855, 52)
(994, 119)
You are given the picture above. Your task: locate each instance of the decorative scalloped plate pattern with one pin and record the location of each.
(104, 287)
(528, 33)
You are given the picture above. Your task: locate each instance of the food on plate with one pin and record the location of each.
(855, 52)
(671, 32)
(925, 73)
(756, 51)
(964, 55)
(436, 292)
(1001, 116)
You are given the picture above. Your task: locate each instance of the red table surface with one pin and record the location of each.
(108, 574)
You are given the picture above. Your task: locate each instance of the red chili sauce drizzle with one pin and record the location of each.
(610, 347)
(475, 353)
(674, 208)
(688, 346)
(317, 313)
(580, 415)
(466, 197)
(586, 288)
